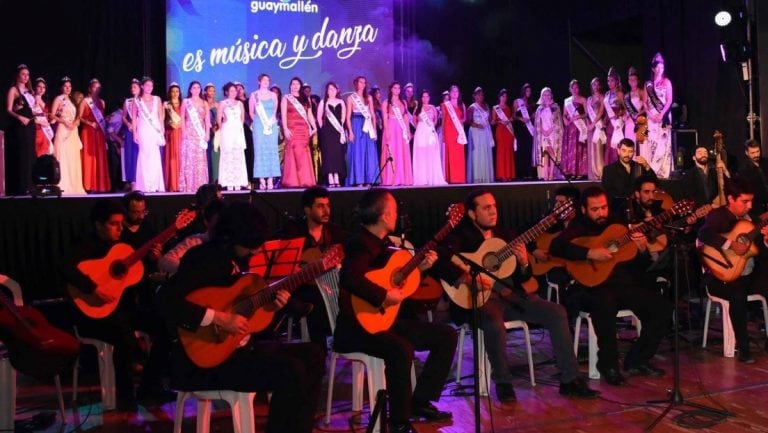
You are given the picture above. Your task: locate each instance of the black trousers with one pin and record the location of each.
(653, 310)
(396, 348)
(293, 372)
(736, 293)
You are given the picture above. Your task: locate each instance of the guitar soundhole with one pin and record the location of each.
(118, 269)
(491, 262)
(397, 278)
(612, 247)
(744, 239)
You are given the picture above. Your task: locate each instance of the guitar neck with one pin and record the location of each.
(419, 255)
(290, 283)
(528, 236)
(161, 239)
(646, 226)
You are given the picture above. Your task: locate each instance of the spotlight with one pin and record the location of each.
(723, 18)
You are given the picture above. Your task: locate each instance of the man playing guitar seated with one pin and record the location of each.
(370, 249)
(622, 290)
(293, 372)
(503, 305)
(753, 279)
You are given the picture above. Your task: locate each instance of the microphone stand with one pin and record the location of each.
(381, 170)
(556, 163)
(475, 269)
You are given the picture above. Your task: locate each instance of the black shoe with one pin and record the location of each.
(403, 428)
(645, 369)
(577, 388)
(505, 393)
(746, 358)
(613, 377)
(429, 412)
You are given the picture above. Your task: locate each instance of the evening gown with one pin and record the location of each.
(612, 145)
(455, 161)
(399, 170)
(66, 149)
(149, 167)
(172, 155)
(524, 157)
(331, 147)
(194, 159)
(427, 164)
(361, 154)
(505, 152)
(480, 154)
(95, 166)
(19, 149)
(266, 160)
(659, 140)
(574, 153)
(298, 171)
(130, 150)
(233, 170)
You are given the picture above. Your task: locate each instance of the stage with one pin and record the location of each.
(36, 233)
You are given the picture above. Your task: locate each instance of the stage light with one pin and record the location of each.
(723, 18)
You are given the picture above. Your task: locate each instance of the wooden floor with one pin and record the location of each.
(706, 378)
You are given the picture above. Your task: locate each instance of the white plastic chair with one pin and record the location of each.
(729, 337)
(240, 402)
(105, 353)
(485, 365)
(583, 315)
(8, 373)
(302, 325)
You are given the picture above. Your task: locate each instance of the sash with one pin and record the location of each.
(524, 111)
(97, 114)
(194, 118)
(42, 120)
(462, 139)
(631, 109)
(266, 122)
(175, 118)
(401, 122)
(143, 112)
(367, 125)
(424, 117)
(336, 124)
(656, 103)
(300, 108)
(618, 123)
(503, 117)
(570, 107)
(598, 135)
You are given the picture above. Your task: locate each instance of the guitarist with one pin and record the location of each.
(740, 195)
(117, 329)
(367, 250)
(623, 289)
(478, 225)
(318, 232)
(294, 372)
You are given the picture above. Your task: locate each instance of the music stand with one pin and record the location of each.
(277, 259)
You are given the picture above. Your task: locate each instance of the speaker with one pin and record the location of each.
(46, 171)
(684, 142)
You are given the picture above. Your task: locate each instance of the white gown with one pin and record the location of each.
(149, 166)
(427, 161)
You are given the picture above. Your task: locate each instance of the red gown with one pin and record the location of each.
(172, 159)
(42, 144)
(505, 153)
(94, 154)
(455, 162)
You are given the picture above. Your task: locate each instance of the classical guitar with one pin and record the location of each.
(498, 257)
(618, 239)
(209, 346)
(119, 269)
(401, 272)
(726, 265)
(541, 267)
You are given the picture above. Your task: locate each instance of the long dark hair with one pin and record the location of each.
(20, 68)
(302, 98)
(419, 104)
(504, 92)
(189, 89)
(390, 95)
(327, 85)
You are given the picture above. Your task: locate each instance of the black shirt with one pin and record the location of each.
(620, 183)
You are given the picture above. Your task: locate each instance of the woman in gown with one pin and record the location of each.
(93, 134)
(298, 126)
(548, 141)
(362, 161)
(396, 139)
(331, 114)
(130, 149)
(634, 102)
(455, 137)
(480, 140)
(66, 142)
(173, 133)
(233, 170)
(574, 159)
(659, 92)
(209, 93)
(194, 140)
(149, 134)
(596, 131)
(613, 101)
(524, 132)
(19, 135)
(42, 112)
(262, 106)
(427, 166)
(501, 118)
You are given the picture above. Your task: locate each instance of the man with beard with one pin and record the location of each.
(619, 177)
(504, 304)
(700, 182)
(622, 290)
(319, 233)
(754, 170)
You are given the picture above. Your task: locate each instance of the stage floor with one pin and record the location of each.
(707, 378)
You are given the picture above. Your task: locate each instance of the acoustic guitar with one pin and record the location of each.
(209, 346)
(541, 267)
(119, 269)
(401, 272)
(726, 265)
(617, 238)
